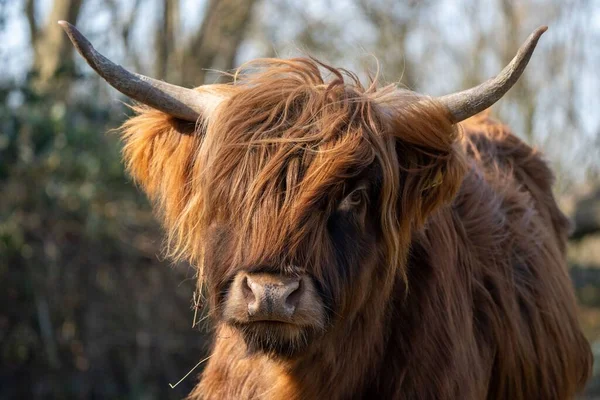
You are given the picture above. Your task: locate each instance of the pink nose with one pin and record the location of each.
(271, 297)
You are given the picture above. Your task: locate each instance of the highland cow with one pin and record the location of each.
(358, 242)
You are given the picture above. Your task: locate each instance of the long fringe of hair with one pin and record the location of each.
(285, 141)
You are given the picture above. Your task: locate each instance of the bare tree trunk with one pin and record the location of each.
(124, 28)
(521, 94)
(52, 49)
(165, 39)
(393, 30)
(217, 41)
(30, 10)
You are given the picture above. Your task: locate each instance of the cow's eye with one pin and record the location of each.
(353, 200)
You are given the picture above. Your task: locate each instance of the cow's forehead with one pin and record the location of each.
(288, 141)
(282, 173)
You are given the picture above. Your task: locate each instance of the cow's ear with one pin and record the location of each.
(430, 157)
(159, 151)
(428, 179)
(161, 154)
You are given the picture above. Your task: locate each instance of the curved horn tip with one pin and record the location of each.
(182, 103)
(66, 25)
(76, 37)
(82, 45)
(467, 103)
(539, 32)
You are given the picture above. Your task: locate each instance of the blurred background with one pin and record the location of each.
(88, 307)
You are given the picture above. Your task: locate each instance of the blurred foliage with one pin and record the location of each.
(88, 309)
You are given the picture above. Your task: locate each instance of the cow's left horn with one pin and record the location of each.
(467, 103)
(183, 103)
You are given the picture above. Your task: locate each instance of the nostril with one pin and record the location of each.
(293, 298)
(247, 290)
(249, 296)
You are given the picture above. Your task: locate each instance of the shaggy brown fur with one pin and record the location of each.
(446, 281)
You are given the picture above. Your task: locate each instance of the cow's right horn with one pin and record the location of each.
(186, 104)
(467, 103)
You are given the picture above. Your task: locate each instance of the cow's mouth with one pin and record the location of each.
(279, 339)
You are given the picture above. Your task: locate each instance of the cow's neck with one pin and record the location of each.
(350, 357)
